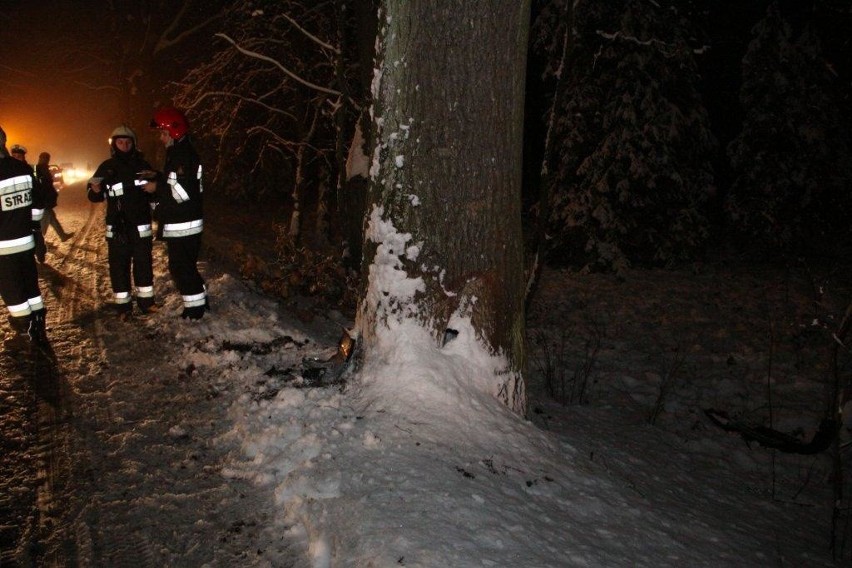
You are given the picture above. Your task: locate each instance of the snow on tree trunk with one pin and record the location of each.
(443, 247)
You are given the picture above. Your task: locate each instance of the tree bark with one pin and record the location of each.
(448, 124)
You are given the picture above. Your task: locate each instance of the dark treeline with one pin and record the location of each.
(674, 129)
(658, 131)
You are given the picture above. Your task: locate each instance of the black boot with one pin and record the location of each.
(20, 325)
(19, 338)
(146, 305)
(38, 327)
(193, 313)
(124, 311)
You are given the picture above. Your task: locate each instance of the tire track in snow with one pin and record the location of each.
(132, 458)
(44, 540)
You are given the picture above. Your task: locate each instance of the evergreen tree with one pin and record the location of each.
(630, 155)
(791, 160)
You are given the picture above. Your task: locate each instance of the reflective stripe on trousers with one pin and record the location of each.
(26, 308)
(172, 230)
(17, 245)
(193, 300)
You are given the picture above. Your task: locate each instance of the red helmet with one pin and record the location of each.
(172, 120)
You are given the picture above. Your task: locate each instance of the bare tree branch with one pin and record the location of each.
(166, 40)
(98, 87)
(311, 36)
(272, 109)
(289, 144)
(286, 71)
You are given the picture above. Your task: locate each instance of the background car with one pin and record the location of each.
(58, 179)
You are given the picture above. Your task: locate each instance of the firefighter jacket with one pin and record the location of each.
(128, 205)
(179, 191)
(21, 206)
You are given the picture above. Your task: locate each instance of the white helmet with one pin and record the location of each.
(122, 131)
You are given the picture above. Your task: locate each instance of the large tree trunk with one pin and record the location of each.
(445, 192)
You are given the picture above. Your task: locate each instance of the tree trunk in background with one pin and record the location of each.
(556, 63)
(448, 121)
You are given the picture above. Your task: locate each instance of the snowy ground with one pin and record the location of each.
(218, 443)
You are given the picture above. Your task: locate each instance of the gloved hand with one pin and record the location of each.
(40, 250)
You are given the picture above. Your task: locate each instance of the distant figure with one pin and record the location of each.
(51, 197)
(20, 239)
(128, 221)
(179, 209)
(19, 153)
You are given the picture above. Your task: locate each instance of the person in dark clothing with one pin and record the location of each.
(19, 153)
(179, 209)
(51, 197)
(128, 221)
(21, 209)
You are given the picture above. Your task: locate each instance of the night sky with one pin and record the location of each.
(49, 102)
(46, 102)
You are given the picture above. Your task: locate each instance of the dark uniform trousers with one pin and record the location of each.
(19, 282)
(183, 259)
(133, 250)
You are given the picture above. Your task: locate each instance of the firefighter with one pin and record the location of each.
(179, 209)
(21, 209)
(119, 182)
(19, 153)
